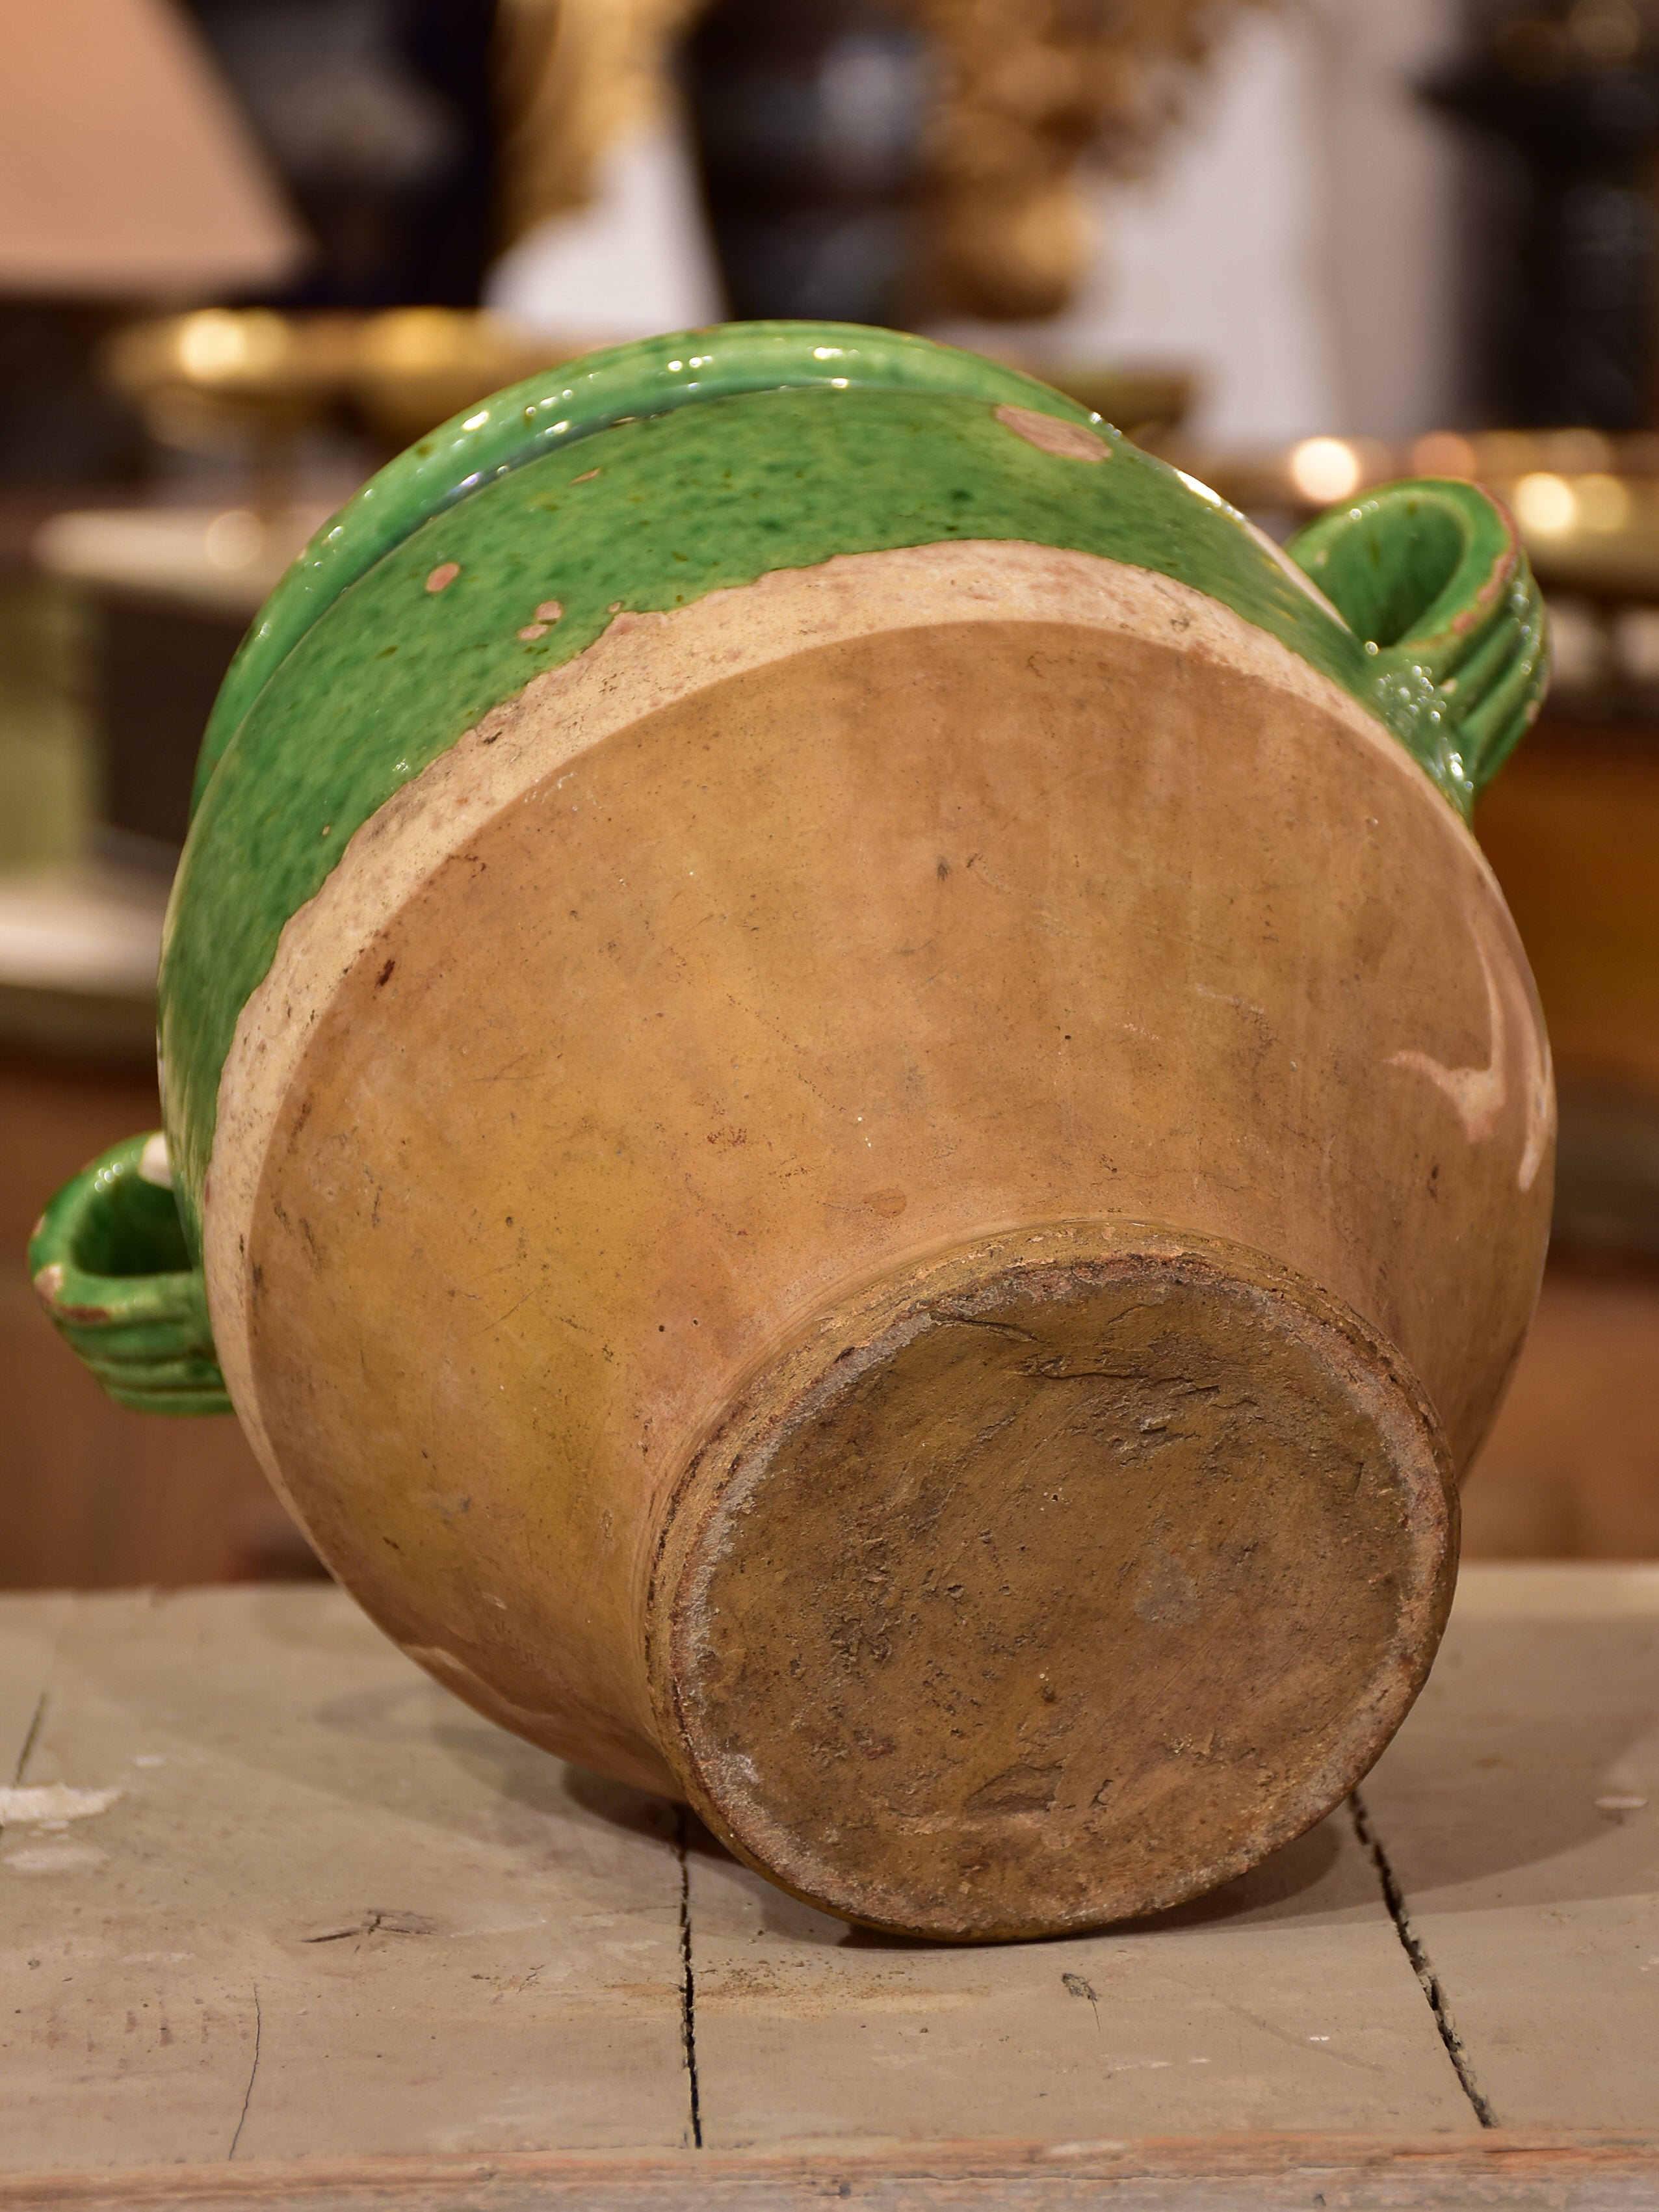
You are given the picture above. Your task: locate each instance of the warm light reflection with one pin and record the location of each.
(1546, 504)
(211, 344)
(418, 340)
(1324, 469)
(217, 344)
(1203, 489)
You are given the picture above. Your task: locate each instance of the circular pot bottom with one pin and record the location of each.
(1051, 1581)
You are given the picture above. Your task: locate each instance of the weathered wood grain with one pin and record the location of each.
(1508, 2172)
(470, 1960)
(332, 1912)
(1519, 1811)
(29, 1628)
(1283, 2000)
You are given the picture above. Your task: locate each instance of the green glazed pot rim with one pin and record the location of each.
(557, 409)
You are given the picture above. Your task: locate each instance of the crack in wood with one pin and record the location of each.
(374, 1922)
(248, 2094)
(688, 1979)
(1412, 1944)
(30, 1735)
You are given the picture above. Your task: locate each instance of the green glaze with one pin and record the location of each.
(807, 441)
(1428, 575)
(389, 676)
(550, 413)
(109, 1263)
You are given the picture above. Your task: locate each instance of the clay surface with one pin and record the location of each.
(1055, 1590)
(777, 946)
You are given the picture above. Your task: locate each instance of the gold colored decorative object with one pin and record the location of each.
(235, 377)
(573, 78)
(1033, 86)
(1029, 88)
(227, 378)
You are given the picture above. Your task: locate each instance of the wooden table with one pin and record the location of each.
(333, 1941)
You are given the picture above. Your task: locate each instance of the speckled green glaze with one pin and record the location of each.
(804, 442)
(549, 413)
(392, 674)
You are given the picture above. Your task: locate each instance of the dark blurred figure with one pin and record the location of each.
(377, 115)
(809, 123)
(1566, 266)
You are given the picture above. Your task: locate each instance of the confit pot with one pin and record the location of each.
(849, 1114)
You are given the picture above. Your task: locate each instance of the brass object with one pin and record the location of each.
(1029, 88)
(225, 378)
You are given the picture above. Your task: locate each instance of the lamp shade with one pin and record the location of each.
(125, 170)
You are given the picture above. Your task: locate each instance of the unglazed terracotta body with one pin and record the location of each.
(886, 1192)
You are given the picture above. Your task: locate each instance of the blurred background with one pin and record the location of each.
(249, 248)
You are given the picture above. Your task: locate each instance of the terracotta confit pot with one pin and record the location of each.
(863, 1138)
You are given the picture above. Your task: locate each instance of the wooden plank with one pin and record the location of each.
(29, 1629)
(332, 1912)
(462, 1947)
(1284, 2001)
(1506, 2171)
(1519, 1811)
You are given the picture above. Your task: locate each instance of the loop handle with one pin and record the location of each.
(109, 1263)
(1430, 575)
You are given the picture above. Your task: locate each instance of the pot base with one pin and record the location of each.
(1051, 1582)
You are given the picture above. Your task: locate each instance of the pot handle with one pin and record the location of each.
(109, 1263)
(1431, 577)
